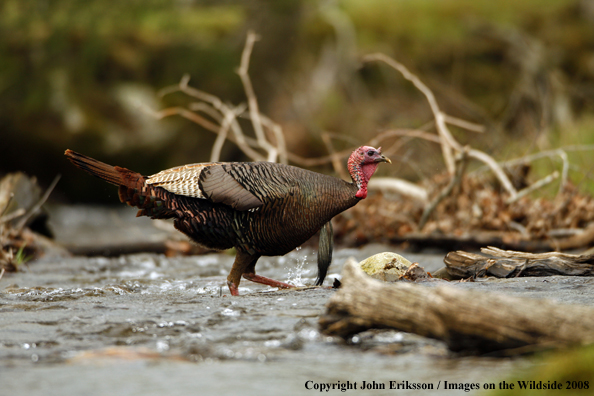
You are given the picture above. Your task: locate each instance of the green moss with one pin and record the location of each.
(573, 369)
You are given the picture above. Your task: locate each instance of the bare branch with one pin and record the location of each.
(170, 111)
(560, 152)
(216, 109)
(402, 187)
(534, 186)
(448, 141)
(564, 170)
(17, 213)
(497, 170)
(19, 226)
(230, 116)
(469, 126)
(416, 133)
(336, 163)
(454, 181)
(251, 96)
(190, 91)
(279, 135)
(317, 161)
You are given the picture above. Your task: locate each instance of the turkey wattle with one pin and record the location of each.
(260, 208)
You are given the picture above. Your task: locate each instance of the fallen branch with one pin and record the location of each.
(454, 181)
(448, 142)
(465, 320)
(559, 152)
(509, 263)
(212, 106)
(399, 186)
(273, 152)
(228, 120)
(469, 126)
(33, 210)
(336, 160)
(534, 186)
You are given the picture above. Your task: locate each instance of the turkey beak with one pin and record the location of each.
(383, 158)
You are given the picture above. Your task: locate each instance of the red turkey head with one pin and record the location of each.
(362, 164)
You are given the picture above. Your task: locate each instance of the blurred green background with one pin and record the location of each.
(73, 73)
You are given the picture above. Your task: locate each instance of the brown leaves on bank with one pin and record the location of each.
(476, 212)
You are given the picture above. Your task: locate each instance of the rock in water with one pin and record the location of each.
(387, 266)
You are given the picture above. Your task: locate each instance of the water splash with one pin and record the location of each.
(295, 272)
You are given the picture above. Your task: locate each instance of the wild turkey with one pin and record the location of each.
(260, 208)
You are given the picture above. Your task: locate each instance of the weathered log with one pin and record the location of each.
(509, 263)
(470, 321)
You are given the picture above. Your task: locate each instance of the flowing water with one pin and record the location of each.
(146, 324)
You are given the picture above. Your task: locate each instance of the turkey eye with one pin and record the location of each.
(371, 153)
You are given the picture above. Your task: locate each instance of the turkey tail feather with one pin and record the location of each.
(95, 168)
(133, 189)
(325, 247)
(111, 174)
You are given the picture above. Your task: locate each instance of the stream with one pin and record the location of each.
(146, 324)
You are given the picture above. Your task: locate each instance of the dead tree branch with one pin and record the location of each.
(230, 116)
(534, 186)
(469, 126)
(448, 143)
(336, 160)
(273, 152)
(33, 210)
(465, 320)
(400, 186)
(454, 181)
(509, 264)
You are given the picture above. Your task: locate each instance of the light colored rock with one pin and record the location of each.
(387, 266)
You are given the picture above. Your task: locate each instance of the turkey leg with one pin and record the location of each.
(245, 265)
(266, 281)
(250, 274)
(242, 262)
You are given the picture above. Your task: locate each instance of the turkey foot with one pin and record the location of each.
(233, 288)
(251, 276)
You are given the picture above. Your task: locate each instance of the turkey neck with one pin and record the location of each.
(360, 173)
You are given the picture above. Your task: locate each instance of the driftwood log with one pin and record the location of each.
(469, 321)
(509, 264)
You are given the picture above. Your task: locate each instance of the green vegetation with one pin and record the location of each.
(73, 72)
(572, 369)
